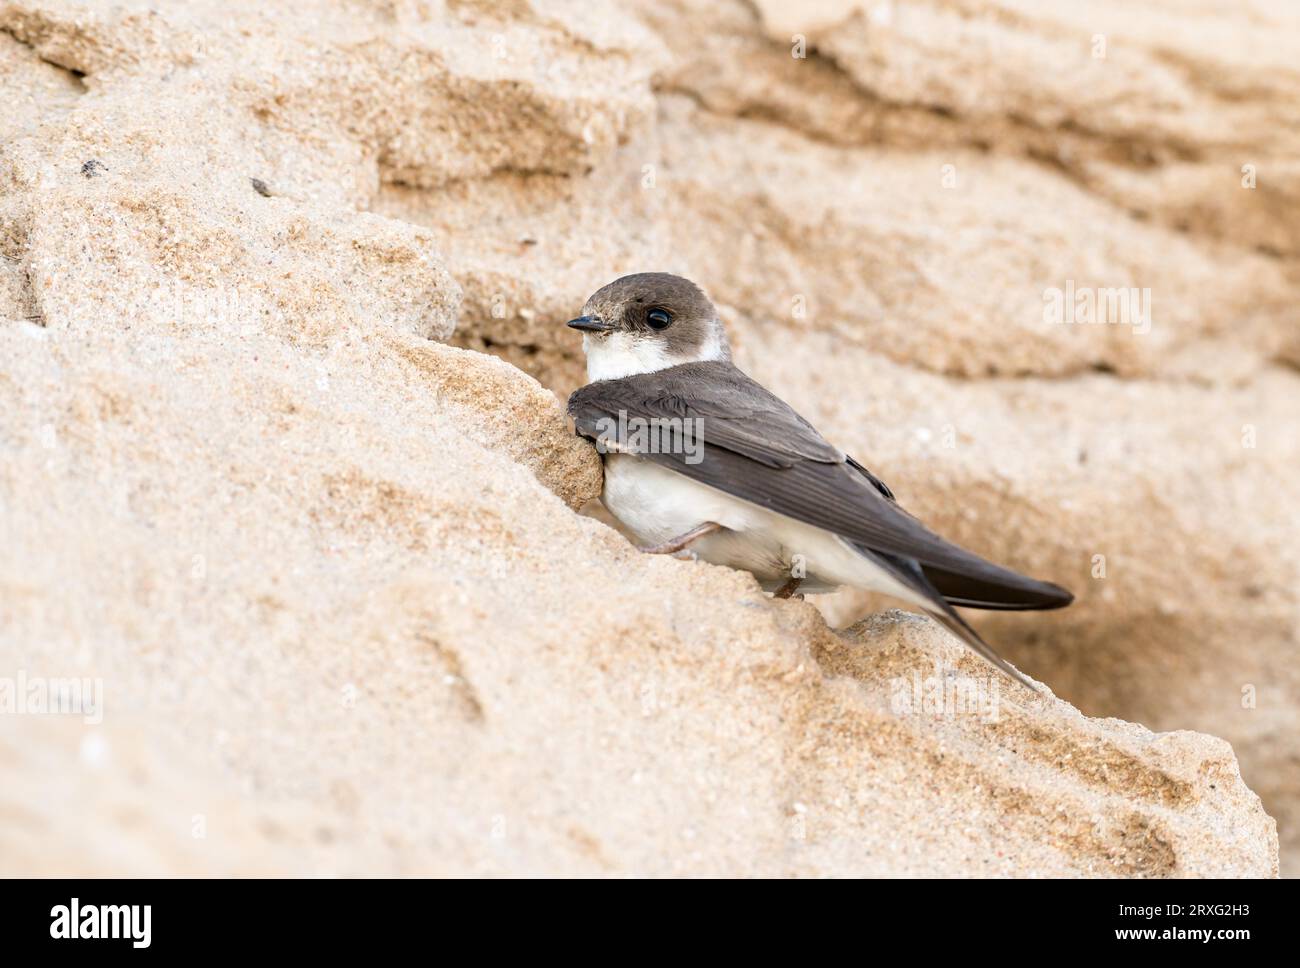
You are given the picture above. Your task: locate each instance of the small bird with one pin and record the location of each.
(698, 455)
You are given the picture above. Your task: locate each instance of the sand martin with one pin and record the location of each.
(698, 455)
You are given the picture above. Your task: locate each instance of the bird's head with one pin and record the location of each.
(647, 322)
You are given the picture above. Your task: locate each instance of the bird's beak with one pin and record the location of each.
(590, 324)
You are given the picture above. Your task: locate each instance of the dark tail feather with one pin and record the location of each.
(981, 584)
(911, 574)
(955, 624)
(997, 589)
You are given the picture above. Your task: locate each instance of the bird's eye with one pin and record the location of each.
(659, 319)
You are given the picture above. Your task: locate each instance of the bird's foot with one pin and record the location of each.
(683, 541)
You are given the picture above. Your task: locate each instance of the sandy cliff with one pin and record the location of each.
(283, 467)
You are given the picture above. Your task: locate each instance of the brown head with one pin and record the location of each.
(646, 322)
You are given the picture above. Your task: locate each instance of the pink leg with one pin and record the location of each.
(674, 545)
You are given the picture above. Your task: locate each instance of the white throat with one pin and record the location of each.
(618, 355)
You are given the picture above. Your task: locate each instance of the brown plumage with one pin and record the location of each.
(757, 449)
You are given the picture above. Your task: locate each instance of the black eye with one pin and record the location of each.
(658, 319)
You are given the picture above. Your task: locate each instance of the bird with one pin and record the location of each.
(698, 456)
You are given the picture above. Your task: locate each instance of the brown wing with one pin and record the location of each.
(757, 448)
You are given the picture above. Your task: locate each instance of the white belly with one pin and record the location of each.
(657, 504)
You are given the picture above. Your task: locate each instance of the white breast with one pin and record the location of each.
(657, 504)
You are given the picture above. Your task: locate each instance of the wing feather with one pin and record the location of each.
(756, 447)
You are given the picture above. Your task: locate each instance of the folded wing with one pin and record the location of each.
(756, 447)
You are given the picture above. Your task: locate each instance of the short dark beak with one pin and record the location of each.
(590, 324)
